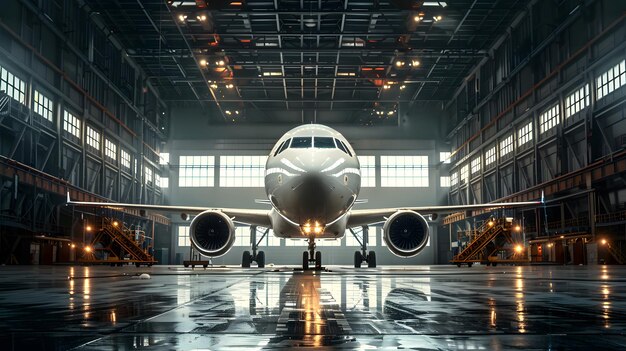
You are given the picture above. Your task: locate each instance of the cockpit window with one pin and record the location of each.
(324, 143)
(279, 147)
(342, 147)
(283, 146)
(301, 142)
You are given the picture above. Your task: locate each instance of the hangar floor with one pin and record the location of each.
(427, 308)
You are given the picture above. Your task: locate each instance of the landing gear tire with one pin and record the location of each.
(318, 260)
(305, 260)
(246, 259)
(371, 259)
(358, 259)
(260, 259)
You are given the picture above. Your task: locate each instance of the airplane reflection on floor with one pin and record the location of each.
(427, 308)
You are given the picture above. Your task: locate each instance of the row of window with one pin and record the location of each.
(242, 238)
(248, 171)
(312, 142)
(574, 103)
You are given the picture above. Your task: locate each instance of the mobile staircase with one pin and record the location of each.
(494, 236)
(114, 241)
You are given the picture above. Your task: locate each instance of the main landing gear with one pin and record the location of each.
(310, 256)
(258, 257)
(363, 256)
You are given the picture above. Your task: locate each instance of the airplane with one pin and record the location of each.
(312, 182)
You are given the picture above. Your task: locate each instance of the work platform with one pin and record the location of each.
(492, 244)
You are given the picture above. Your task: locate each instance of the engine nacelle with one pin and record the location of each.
(405, 233)
(212, 233)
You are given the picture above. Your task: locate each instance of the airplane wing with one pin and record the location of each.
(364, 217)
(245, 216)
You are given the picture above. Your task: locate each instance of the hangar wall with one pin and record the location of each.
(545, 112)
(188, 136)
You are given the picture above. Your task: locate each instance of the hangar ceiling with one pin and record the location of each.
(357, 60)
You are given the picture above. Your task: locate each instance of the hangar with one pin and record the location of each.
(298, 174)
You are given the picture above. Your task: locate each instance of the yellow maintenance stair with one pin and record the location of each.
(494, 236)
(117, 245)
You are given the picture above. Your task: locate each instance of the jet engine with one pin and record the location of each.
(405, 233)
(212, 233)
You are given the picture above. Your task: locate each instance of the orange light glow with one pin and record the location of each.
(88, 249)
(116, 223)
(519, 248)
(88, 228)
(603, 241)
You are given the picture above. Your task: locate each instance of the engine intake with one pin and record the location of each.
(212, 233)
(406, 233)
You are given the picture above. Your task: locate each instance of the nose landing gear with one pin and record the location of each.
(311, 256)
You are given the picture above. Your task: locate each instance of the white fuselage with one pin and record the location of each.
(312, 179)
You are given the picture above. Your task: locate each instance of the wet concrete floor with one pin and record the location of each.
(419, 307)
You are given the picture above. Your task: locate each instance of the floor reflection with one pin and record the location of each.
(438, 308)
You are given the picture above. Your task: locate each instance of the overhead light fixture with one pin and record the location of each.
(386, 86)
(228, 112)
(203, 62)
(402, 87)
(437, 18)
(201, 18)
(415, 63)
(272, 74)
(219, 63)
(182, 17)
(399, 63)
(389, 113)
(236, 3)
(229, 86)
(418, 18)
(346, 74)
(236, 112)
(435, 3)
(214, 86)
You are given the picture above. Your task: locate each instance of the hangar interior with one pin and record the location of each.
(178, 103)
(459, 103)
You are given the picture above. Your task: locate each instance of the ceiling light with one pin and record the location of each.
(228, 112)
(418, 18)
(399, 63)
(386, 86)
(182, 18)
(402, 87)
(437, 18)
(435, 3)
(203, 62)
(201, 18)
(229, 86)
(270, 74)
(214, 86)
(236, 112)
(219, 63)
(415, 63)
(390, 113)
